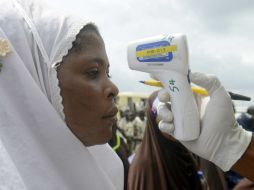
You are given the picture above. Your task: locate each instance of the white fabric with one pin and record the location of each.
(37, 149)
(222, 140)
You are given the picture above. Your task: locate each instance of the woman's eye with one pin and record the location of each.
(93, 73)
(109, 75)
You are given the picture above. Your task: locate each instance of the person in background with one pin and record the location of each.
(246, 120)
(250, 110)
(140, 120)
(57, 102)
(127, 125)
(140, 123)
(161, 162)
(118, 144)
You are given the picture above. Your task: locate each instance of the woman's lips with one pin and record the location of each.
(111, 116)
(111, 113)
(110, 120)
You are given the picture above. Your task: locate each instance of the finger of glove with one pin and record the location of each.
(163, 95)
(166, 127)
(164, 112)
(210, 82)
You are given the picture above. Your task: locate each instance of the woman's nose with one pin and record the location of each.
(111, 90)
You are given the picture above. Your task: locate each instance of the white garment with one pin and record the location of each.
(34, 140)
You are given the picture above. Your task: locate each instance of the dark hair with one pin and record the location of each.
(161, 163)
(77, 45)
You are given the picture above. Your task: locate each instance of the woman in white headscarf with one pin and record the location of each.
(57, 102)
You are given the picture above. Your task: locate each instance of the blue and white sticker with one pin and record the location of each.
(160, 51)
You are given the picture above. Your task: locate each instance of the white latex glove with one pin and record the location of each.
(164, 112)
(163, 107)
(222, 140)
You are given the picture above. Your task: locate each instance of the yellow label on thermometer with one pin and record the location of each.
(156, 51)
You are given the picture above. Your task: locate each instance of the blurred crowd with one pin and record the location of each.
(132, 124)
(128, 133)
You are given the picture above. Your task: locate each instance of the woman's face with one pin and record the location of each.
(88, 94)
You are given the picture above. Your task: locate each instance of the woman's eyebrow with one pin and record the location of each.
(99, 61)
(96, 60)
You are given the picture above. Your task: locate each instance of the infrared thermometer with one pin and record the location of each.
(166, 58)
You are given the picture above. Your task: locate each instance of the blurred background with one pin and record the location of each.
(220, 37)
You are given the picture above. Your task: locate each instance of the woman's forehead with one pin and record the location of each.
(89, 42)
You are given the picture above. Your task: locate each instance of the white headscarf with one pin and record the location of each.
(37, 149)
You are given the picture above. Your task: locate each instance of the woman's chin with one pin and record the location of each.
(99, 139)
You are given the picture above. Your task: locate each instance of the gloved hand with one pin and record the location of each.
(222, 140)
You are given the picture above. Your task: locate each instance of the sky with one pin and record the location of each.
(220, 36)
